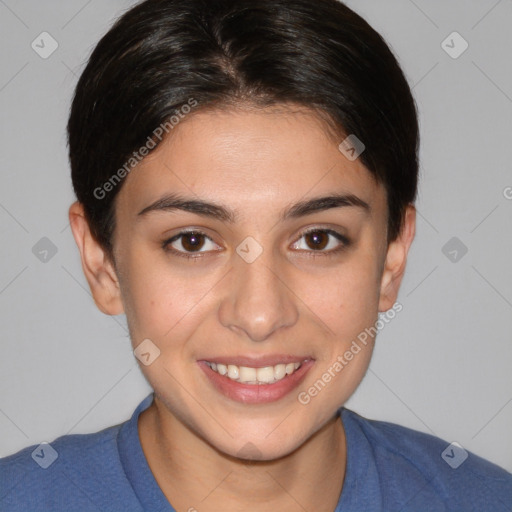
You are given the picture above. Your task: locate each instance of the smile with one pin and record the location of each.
(255, 376)
(256, 381)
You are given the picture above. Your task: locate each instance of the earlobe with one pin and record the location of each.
(97, 266)
(396, 259)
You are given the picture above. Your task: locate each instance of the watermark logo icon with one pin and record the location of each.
(146, 352)
(44, 250)
(45, 455)
(454, 249)
(44, 45)
(250, 454)
(454, 45)
(249, 250)
(454, 455)
(352, 147)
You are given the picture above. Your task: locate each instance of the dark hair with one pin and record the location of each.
(161, 54)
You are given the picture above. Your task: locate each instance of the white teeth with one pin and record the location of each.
(249, 375)
(265, 374)
(233, 372)
(279, 371)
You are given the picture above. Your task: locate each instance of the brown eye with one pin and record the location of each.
(317, 239)
(192, 241)
(187, 243)
(322, 241)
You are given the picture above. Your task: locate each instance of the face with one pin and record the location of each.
(227, 262)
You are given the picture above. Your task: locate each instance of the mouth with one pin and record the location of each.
(256, 381)
(255, 376)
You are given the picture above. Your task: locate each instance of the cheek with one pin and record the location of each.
(344, 297)
(162, 301)
(348, 304)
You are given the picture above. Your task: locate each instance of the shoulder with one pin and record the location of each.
(415, 467)
(78, 472)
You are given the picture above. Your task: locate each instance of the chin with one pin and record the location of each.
(258, 447)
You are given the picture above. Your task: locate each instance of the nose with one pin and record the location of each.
(257, 300)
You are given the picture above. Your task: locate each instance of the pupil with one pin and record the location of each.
(316, 236)
(192, 241)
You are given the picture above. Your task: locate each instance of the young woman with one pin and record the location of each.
(245, 173)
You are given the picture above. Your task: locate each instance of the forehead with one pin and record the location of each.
(247, 158)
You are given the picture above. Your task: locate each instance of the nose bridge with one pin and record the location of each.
(257, 301)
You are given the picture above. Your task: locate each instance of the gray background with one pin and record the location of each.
(442, 366)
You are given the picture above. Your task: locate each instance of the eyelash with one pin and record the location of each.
(345, 243)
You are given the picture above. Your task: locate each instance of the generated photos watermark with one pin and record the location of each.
(352, 147)
(454, 455)
(151, 143)
(146, 352)
(305, 397)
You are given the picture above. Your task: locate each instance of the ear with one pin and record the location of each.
(396, 258)
(97, 266)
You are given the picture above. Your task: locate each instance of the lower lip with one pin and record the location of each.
(256, 393)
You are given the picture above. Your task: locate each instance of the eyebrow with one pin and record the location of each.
(172, 202)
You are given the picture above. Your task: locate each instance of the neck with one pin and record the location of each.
(192, 474)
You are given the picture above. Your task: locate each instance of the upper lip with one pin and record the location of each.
(258, 361)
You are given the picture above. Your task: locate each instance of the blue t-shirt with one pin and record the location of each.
(389, 468)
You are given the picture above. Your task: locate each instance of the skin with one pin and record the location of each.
(293, 299)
